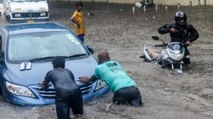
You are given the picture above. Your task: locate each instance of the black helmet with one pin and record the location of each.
(180, 18)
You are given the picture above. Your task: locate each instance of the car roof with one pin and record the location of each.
(34, 27)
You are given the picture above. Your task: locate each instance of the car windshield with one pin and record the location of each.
(26, 0)
(28, 46)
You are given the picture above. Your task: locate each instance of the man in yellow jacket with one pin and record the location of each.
(78, 20)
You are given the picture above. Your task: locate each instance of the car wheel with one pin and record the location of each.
(2, 94)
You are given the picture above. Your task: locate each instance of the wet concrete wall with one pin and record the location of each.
(185, 2)
(163, 2)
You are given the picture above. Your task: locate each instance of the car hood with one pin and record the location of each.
(82, 67)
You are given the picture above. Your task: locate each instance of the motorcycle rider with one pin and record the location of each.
(181, 31)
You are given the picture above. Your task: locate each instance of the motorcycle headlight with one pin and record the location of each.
(164, 55)
(176, 56)
(100, 84)
(19, 90)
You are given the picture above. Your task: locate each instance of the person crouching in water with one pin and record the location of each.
(124, 88)
(68, 94)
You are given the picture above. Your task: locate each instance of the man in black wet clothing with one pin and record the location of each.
(68, 94)
(181, 31)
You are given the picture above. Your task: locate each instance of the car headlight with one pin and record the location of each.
(43, 14)
(19, 90)
(100, 84)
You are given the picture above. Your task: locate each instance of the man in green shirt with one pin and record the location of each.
(124, 88)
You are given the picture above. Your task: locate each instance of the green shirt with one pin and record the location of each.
(113, 75)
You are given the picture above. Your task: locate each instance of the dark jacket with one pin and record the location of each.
(63, 81)
(184, 33)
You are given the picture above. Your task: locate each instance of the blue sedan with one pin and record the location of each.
(26, 54)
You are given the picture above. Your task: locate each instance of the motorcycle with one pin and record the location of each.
(171, 56)
(143, 3)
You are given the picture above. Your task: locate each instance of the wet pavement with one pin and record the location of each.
(122, 32)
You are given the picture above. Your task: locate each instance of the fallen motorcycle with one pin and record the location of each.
(171, 55)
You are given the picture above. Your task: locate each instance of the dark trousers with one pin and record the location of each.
(81, 37)
(63, 106)
(186, 59)
(128, 95)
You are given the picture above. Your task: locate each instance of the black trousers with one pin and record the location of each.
(63, 106)
(186, 58)
(128, 95)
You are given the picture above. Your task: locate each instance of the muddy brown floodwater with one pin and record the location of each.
(123, 34)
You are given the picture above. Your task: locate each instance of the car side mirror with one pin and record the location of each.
(155, 37)
(90, 49)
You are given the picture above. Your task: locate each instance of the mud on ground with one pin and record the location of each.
(123, 34)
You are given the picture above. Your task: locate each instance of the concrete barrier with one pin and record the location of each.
(184, 2)
(162, 2)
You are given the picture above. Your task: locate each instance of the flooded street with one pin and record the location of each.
(122, 33)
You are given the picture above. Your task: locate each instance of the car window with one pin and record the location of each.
(43, 44)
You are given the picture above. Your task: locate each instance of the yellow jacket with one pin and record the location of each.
(78, 18)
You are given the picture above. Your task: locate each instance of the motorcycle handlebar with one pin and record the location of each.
(185, 45)
(161, 45)
(165, 44)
